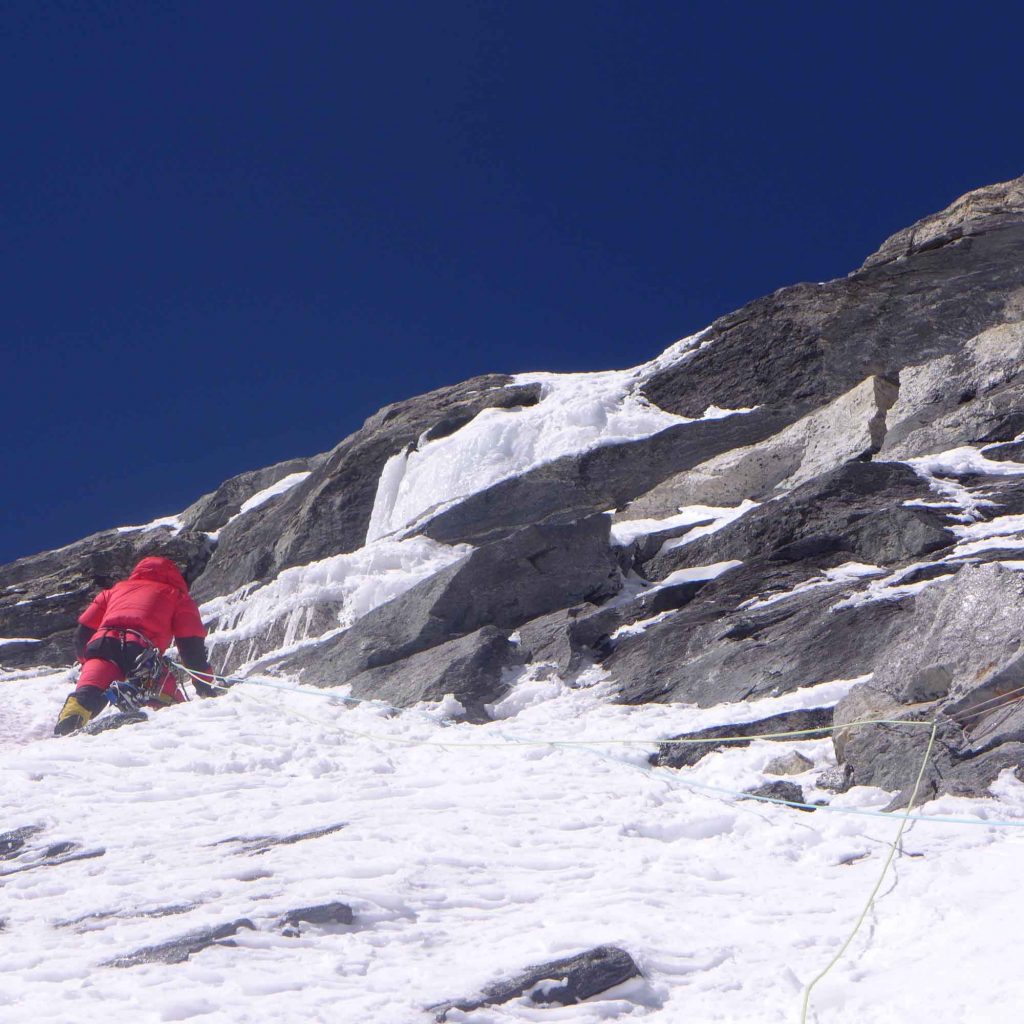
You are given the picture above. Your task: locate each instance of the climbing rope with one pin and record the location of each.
(878, 884)
(590, 745)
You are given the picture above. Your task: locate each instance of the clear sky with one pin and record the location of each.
(231, 231)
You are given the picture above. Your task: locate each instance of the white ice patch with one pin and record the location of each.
(260, 497)
(721, 517)
(354, 584)
(695, 573)
(891, 588)
(958, 462)
(848, 572)
(577, 413)
(630, 530)
(18, 640)
(174, 522)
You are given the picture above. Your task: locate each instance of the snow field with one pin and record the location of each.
(467, 856)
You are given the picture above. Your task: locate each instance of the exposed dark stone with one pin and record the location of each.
(965, 652)
(979, 211)
(793, 763)
(168, 911)
(571, 636)
(261, 844)
(330, 511)
(720, 649)
(12, 843)
(573, 979)
(683, 754)
(180, 949)
(471, 668)
(49, 861)
(324, 913)
(854, 511)
(1012, 451)
(59, 849)
(790, 792)
(504, 584)
(812, 342)
(213, 510)
(106, 723)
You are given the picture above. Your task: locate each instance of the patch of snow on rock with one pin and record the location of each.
(356, 582)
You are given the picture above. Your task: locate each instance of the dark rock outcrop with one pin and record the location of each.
(180, 949)
(471, 668)
(689, 748)
(956, 666)
(787, 793)
(213, 510)
(261, 844)
(576, 486)
(569, 981)
(856, 511)
(534, 571)
(321, 914)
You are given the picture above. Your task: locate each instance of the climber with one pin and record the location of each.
(137, 616)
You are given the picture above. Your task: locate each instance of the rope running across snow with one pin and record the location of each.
(588, 746)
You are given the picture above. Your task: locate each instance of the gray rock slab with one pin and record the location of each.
(715, 650)
(532, 572)
(573, 637)
(969, 396)
(855, 511)
(850, 427)
(213, 510)
(967, 649)
(13, 842)
(978, 211)
(603, 478)
(261, 844)
(810, 343)
(180, 949)
(333, 913)
(793, 763)
(571, 980)
(472, 668)
(789, 792)
(688, 749)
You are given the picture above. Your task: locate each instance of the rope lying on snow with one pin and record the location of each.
(588, 746)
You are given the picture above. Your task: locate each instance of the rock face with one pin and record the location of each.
(831, 487)
(964, 654)
(560, 982)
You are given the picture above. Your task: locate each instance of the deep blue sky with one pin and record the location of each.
(231, 231)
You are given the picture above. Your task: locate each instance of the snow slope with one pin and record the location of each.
(469, 851)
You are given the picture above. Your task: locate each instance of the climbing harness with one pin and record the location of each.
(145, 677)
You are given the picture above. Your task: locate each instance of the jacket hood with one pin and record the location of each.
(161, 570)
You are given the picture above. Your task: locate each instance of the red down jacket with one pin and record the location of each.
(154, 600)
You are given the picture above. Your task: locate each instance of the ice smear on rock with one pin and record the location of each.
(354, 583)
(578, 412)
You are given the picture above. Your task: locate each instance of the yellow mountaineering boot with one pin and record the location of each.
(72, 716)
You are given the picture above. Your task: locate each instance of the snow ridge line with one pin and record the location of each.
(589, 746)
